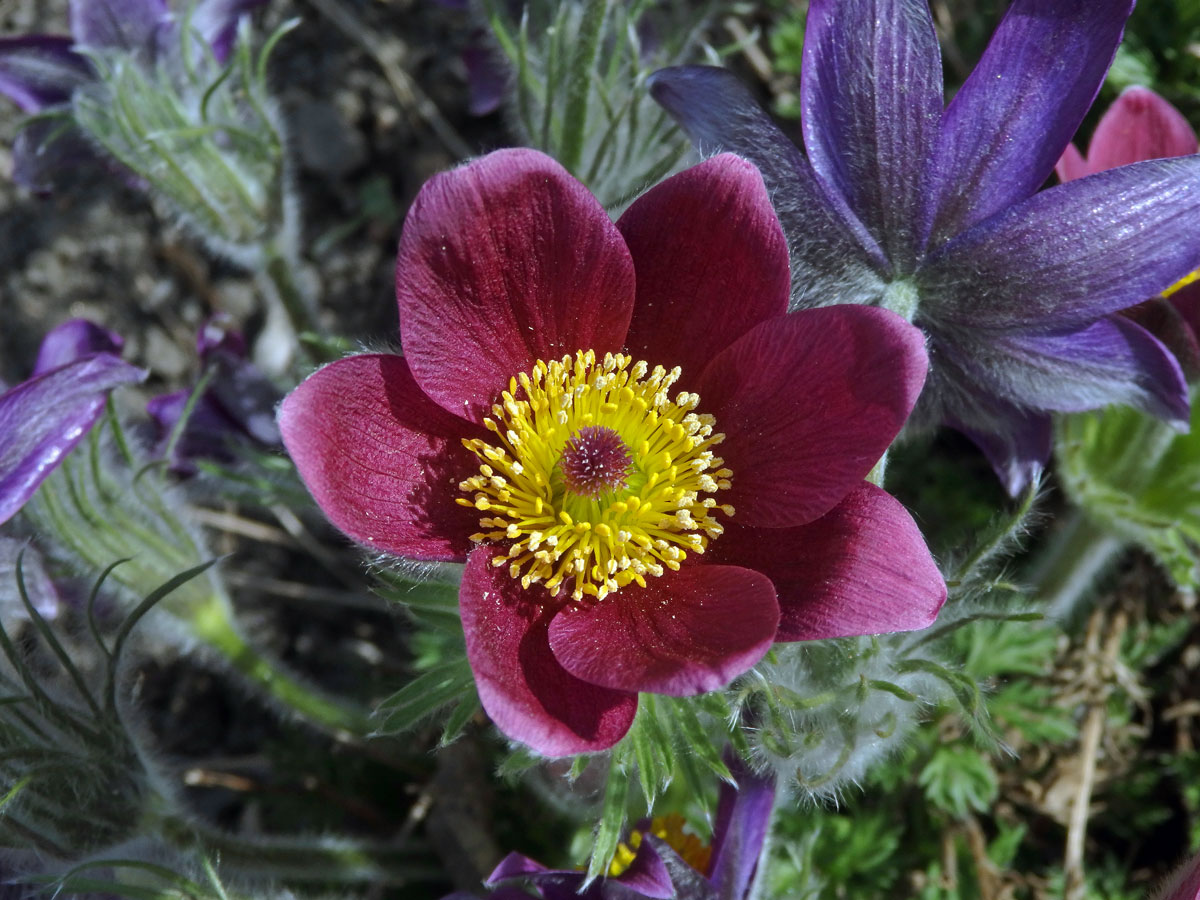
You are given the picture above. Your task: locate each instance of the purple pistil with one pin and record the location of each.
(594, 462)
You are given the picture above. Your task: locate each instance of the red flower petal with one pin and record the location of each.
(1139, 125)
(502, 262)
(711, 263)
(685, 633)
(382, 460)
(1071, 165)
(807, 404)
(863, 568)
(524, 689)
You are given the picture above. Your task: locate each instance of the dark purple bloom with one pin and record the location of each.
(658, 869)
(41, 72)
(935, 212)
(43, 418)
(237, 404)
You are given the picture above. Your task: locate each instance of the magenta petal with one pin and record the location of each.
(711, 263)
(381, 459)
(523, 688)
(807, 404)
(1140, 125)
(1071, 165)
(861, 569)
(685, 633)
(42, 419)
(502, 262)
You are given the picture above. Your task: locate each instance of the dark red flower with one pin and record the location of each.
(533, 327)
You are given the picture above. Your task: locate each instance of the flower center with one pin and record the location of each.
(594, 462)
(669, 828)
(596, 475)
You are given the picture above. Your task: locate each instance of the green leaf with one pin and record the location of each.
(612, 814)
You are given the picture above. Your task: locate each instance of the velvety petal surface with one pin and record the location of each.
(1113, 360)
(216, 22)
(502, 262)
(381, 459)
(1016, 441)
(833, 256)
(37, 70)
(130, 25)
(72, 340)
(711, 263)
(1070, 254)
(523, 687)
(743, 818)
(871, 98)
(1139, 125)
(42, 419)
(807, 404)
(861, 569)
(1009, 123)
(685, 633)
(645, 877)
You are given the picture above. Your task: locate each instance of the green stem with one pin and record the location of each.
(1068, 569)
(315, 859)
(575, 117)
(213, 626)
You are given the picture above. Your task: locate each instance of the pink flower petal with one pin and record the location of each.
(1071, 165)
(807, 404)
(382, 460)
(1139, 125)
(685, 633)
(711, 263)
(523, 688)
(863, 568)
(502, 262)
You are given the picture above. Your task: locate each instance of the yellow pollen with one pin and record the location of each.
(615, 517)
(1183, 282)
(668, 828)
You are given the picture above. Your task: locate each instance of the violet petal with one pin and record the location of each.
(37, 71)
(1008, 124)
(215, 21)
(834, 258)
(872, 100)
(130, 25)
(44, 148)
(42, 419)
(743, 819)
(1113, 360)
(1070, 254)
(73, 340)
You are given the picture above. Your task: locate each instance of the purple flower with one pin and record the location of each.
(237, 404)
(935, 212)
(43, 418)
(41, 72)
(662, 861)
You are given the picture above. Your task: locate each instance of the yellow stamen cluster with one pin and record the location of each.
(594, 545)
(669, 828)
